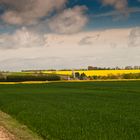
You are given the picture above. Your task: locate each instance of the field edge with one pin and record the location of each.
(67, 81)
(20, 132)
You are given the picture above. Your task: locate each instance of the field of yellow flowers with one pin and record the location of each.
(94, 72)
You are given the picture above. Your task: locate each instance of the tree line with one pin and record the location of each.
(22, 78)
(114, 68)
(83, 76)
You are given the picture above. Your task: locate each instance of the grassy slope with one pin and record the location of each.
(76, 111)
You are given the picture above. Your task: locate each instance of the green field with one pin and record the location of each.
(76, 111)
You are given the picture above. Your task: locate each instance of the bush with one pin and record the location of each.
(131, 76)
(53, 78)
(2, 77)
(13, 78)
(119, 76)
(83, 76)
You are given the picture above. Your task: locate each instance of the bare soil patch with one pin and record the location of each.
(5, 135)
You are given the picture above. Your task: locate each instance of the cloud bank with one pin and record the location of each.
(70, 20)
(31, 12)
(28, 50)
(22, 38)
(26, 38)
(26, 12)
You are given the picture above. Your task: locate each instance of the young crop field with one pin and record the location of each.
(76, 111)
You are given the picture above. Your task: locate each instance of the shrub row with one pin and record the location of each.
(110, 76)
(119, 76)
(13, 78)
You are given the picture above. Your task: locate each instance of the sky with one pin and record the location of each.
(64, 34)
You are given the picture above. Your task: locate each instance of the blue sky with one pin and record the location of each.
(86, 32)
(95, 8)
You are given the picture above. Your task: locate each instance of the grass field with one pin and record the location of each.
(76, 111)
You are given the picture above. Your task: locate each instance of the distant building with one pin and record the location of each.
(128, 68)
(136, 67)
(92, 68)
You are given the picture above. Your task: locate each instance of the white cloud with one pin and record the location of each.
(88, 40)
(96, 39)
(25, 38)
(134, 37)
(26, 12)
(22, 38)
(69, 21)
(31, 12)
(120, 5)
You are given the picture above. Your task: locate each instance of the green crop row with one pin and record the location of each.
(76, 111)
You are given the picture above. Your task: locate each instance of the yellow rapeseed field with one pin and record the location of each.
(95, 72)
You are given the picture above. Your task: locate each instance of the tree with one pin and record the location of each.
(83, 76)
(77, 75)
